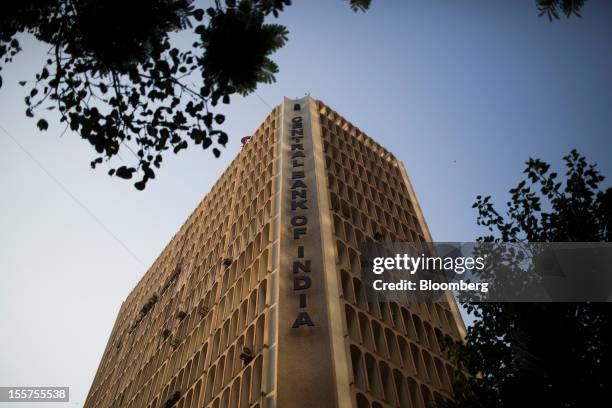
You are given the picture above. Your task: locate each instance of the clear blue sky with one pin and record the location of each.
(462, 91)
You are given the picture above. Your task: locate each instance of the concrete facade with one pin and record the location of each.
(258, 302)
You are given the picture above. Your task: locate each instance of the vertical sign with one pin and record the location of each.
(305, 371)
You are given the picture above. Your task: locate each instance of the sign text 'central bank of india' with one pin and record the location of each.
(258, 302)
(298, 190)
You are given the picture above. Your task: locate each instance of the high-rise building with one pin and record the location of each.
(258, 300)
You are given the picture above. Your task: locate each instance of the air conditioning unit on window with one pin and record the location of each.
(175, 342)
(176, 395)
(203, 310)
(246, 355)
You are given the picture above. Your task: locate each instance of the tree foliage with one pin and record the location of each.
(360, 5)
(114, 76)
(554, 8)
(540, 354)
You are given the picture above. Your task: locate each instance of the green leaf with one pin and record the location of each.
(222, 138)
(208, 118)
(148, 172)
(198, 14)
(42, 124)
(124, 172)
(180, 146)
